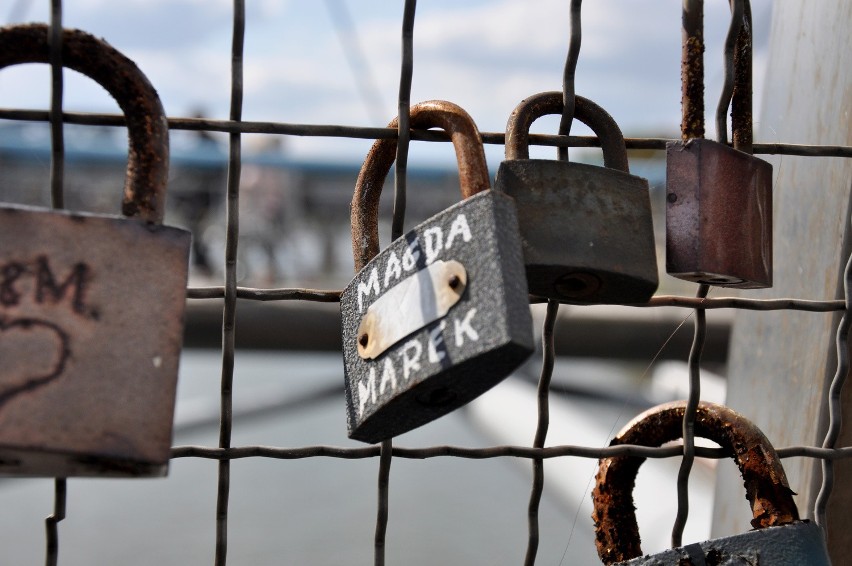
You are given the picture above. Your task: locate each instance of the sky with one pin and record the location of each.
(485, 55)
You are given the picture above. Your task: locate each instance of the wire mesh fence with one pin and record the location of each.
(229, 293)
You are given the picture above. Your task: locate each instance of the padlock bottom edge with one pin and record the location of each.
(21, 462)
(437, 396)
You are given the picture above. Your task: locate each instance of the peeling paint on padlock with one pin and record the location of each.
(767, 490)
(91, 306)
(416, 301)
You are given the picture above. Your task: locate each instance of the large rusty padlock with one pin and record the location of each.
(780, 539)
(719, 203)
(587, 231)
(442, 314)
(91, 306)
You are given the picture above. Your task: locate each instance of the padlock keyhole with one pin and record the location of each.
(577, 285)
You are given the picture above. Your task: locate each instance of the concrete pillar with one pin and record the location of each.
(781, 362)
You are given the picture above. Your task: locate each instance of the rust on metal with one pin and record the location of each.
(587, 231)
(532, 108)
(692, 70)
(741, 103)
(473, 170)
(148, 162)
(767, 490)
(718, 215)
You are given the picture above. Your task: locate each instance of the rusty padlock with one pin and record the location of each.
(441, 315)
(587, 231)
(780, 538)
(719, 201)
(91, 306)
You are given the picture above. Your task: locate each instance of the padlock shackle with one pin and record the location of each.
(147, 127)
(544, 103)
(473, 170)
(767, 490)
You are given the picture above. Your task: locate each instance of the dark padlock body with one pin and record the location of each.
(801, 543)
(587, 231)
(718, 215)
(449, 362)
(91, 327)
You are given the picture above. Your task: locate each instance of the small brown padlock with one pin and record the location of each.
(719, 200)
(780, 539)
(91, 306)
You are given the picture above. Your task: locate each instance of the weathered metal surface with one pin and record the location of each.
(741, 101)
(718, 215)
(147, 166)
(767, 490)
(692, 70)
(418, 300)
(801, 543)
(91, 307)
(482, 339)
(473, 170)
(587, 231)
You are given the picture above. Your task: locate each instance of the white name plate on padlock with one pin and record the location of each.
(415, 302)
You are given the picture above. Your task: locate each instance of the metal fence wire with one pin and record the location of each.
(386, 452)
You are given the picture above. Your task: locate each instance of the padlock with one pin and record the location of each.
(719, 199)
(587, 231)
(780, 538)
(91, 306)
(442, 314)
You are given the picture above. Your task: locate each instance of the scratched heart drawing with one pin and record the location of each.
(33, 353)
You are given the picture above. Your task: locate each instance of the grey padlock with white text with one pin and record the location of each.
(441, 315)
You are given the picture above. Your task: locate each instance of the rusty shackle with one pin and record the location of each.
(532, 108)
(473, 170)
(767, 490)
(147, 127)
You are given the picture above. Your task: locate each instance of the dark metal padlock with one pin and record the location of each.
(719, 198)
(718, 215)
(442, 314)
(91, 306)
(587, 231)
(780, 539)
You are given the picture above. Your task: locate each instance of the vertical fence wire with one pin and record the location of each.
(397, 229)
(57, 185)
(548, 342)
(230, 303)
(60, 497)
(689, 419)
(835, 408)
(57, 136)
(543, 397)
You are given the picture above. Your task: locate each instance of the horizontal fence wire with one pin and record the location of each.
(371, 133)
(229, 292)
(504, 451)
